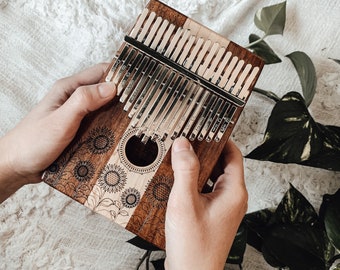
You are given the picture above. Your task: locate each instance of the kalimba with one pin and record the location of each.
(174, 78)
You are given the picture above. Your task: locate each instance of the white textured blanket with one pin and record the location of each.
(41, 41)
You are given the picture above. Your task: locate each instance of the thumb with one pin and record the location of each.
(186, 167)
(85, 99)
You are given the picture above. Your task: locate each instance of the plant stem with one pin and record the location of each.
(268, 94)
(255, 42)
(146, 256)
(148, 260)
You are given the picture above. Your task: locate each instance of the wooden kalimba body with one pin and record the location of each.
(174, 78)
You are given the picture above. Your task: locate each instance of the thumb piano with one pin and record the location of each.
(174, 78)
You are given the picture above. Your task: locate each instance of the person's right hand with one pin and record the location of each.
(200, 228)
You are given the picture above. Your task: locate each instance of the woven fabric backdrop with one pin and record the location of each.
(42, 41)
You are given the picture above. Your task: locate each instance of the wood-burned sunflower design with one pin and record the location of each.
(158, 191)
(130, 198)
(112, 178)
(100, 140)
(83, 171)
(52, 174)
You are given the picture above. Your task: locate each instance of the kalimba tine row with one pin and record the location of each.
(174, 78)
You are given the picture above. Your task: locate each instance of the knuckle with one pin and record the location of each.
(59, 83)
(81, 97)
(187, 163)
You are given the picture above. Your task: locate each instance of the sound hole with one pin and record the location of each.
(140, 154)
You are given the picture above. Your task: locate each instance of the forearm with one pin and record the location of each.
(9, 181)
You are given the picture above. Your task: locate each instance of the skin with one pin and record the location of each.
(200, 228)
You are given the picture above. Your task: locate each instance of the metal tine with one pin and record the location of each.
(221, 67)
(203, 67)
(139, 70)
(125, 63)
(197, 110)
(121, 86)
(159, 105)
(153, 30)
(218, 121)
(146, 26)
(191, 58)
(139, 24)
(194, 97)
(235, 73)
(139, 86)
(146, 105)
(146, 88)
(180, 44)
(200, 56)
(159, 34)
(245, 89)
(162, 47)
(203, 118)
(225, 124)
(173, 42)
(211, 117)
(179, 109)
(210, 71)
(186, 50)
(117, 63)
(165, 123)
(241, 80)
(150, 122)
(165, 104)
(227, 72)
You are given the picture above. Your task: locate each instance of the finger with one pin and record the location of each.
(231, 182)
(87, 76)
(233, 162)
(64, 88)
(185, 165)
(85, 99)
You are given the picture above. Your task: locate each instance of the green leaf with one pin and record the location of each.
(307, 75)
(297, 246)
(336, 60)
(292, 136)
(263, 50)
(294, 208)
(257, 224)
(239, 246)
(330, 213)
(272, 19)
(143, 244)
(158, 264)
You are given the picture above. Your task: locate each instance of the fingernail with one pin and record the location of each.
(181, 144)
(106, 89)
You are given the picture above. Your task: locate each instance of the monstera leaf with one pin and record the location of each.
(263, 50)
(292, 136)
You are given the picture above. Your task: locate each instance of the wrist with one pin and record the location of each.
(10, 181)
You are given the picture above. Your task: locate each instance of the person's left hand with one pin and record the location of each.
(45, 132)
